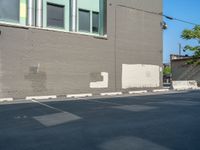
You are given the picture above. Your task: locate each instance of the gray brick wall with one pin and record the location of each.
(41, 62)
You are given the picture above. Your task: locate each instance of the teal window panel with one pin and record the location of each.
(84, 20)
(66, 6)
(87, 5)
(9, 10)
(95, 22)
(98, 15)
(13, 11)
(92, 5)
(55, 15)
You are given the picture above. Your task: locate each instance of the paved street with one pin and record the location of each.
(149, 122)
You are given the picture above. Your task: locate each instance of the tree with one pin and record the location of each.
(167, 70)
(193, 34)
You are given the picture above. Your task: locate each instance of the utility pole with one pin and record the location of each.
(180, 49)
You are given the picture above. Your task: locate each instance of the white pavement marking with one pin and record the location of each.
(138, 92)
(103, 102)
(41, 97)
(6, 99)
(48, 106)
(111, 94)
(79, 95)
(161, 90)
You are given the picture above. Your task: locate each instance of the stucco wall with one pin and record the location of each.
(181, 70)
(40, 62)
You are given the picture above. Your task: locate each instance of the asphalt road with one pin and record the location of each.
(154, 122)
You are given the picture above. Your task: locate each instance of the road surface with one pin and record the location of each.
(149, 122)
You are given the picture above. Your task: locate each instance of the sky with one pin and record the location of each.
(188, 10)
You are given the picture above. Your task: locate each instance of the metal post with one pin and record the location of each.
(31, 13)
(180, 48)
(74, 15)
(39, 13)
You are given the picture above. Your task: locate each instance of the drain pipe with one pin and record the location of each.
(74, 15)
(31, 13)
(39, 13)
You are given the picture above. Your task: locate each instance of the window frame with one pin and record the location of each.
(22, 14)
(98, 8)
(95, 12)
(63, 7)
(67, 19)
(86, 5)
(78, 23)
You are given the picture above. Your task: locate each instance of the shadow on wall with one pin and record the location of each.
(183, 71)
(37, 79)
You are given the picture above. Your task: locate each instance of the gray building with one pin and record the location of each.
(58, 47)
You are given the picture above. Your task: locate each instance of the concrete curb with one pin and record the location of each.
(6, 99)
(85, 95)
(111, 94)
(161, 90)
(138, 92)
(79, 95)
(41, 97)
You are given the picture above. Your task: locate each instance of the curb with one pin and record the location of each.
(138, 92)
(85, 95)
(6, 99)
(161, 90)
(111, 94)
(79, 95)
(41, 97)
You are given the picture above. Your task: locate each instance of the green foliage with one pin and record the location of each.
(193, 34)
(167, 71)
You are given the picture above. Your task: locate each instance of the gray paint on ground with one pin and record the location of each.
(135, 108)
(130, 143)
(178, 103)
(56, 119)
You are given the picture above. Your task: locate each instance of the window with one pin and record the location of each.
(55, 15)
(84, 20)
(9, 10)
(91, 16)
(95, 22)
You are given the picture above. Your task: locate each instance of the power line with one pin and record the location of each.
(161, 14)
(180, 20)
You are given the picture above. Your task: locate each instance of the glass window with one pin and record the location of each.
(95, 22)
(104, 19)
(55, 15)
(92, 16)
(84, 20)
(9, 10)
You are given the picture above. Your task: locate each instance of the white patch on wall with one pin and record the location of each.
(184, 85)
(161, 69)
(101, 84)
(140, 76)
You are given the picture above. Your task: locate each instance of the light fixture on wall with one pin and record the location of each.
(163, 25)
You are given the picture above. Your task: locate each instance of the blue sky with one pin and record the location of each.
(188, 10)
